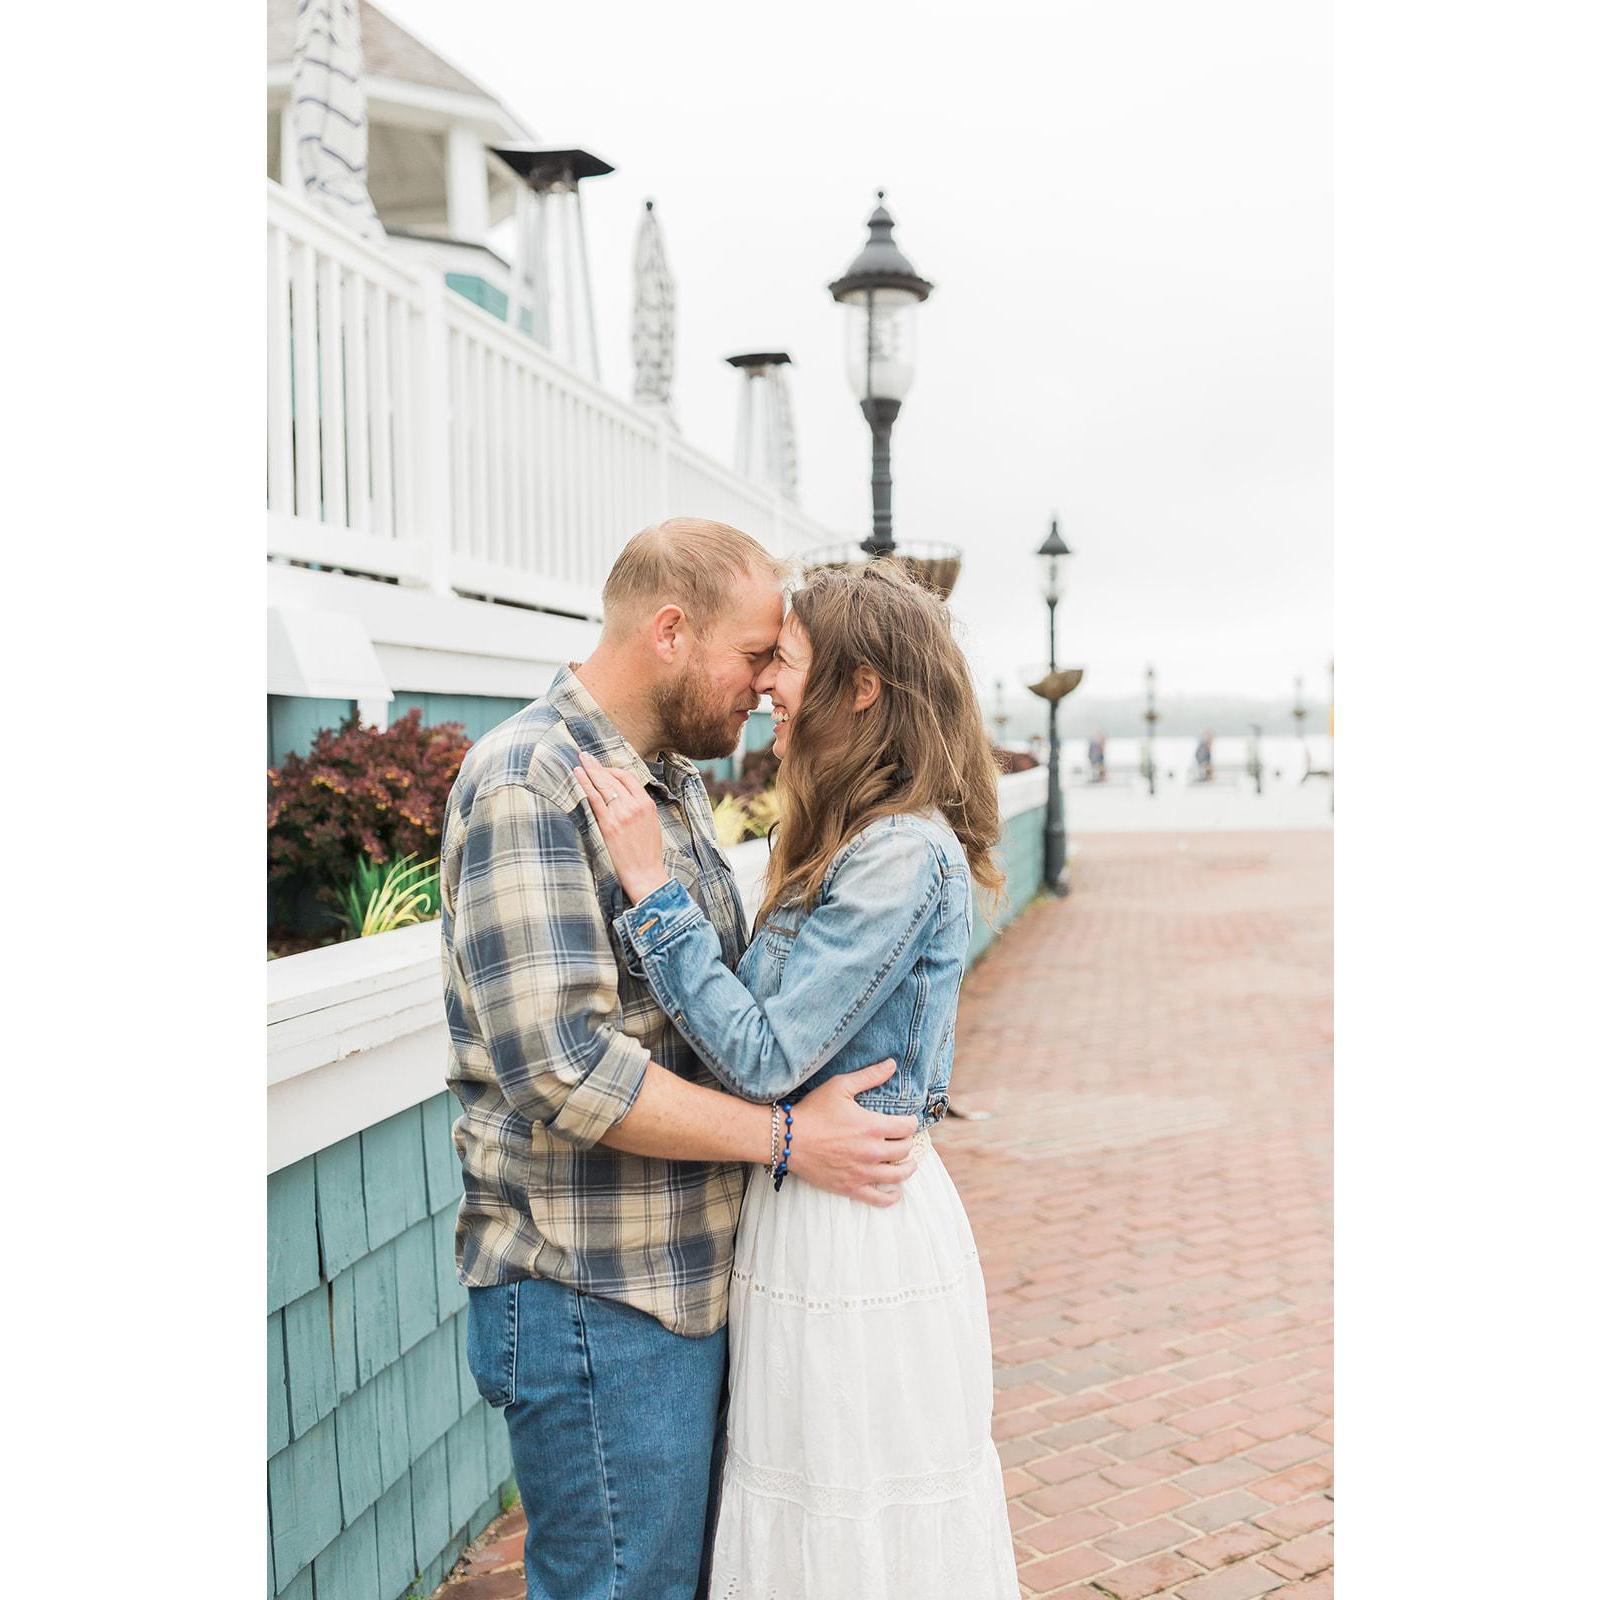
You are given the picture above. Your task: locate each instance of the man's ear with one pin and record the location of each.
(868, 687)
(669, 633)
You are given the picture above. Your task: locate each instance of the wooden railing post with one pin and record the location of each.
(778, 540)
(664, 507)
(432, 444)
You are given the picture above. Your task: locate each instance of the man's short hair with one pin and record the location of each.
(685, 561)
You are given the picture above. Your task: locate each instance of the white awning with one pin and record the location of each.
(327, 655)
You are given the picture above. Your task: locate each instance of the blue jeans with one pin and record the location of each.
(616, 1431)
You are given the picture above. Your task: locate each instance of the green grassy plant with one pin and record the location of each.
(383, 896)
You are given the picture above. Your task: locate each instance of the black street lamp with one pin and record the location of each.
(1300, 723)
(1330, 738)
(1054, 688)
(1151, 717)
(1000, 717)
(880, 293)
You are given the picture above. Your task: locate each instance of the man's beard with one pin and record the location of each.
(693, 720)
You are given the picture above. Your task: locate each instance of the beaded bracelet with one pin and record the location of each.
(780, 1168)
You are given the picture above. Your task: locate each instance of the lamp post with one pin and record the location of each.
(1330, 738)
(1052, 556)
(1300, 721)
(880, 293)
(1000, 717)
(1151, 715)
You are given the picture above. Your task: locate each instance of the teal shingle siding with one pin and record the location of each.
(480, 292)
(415, 1284)
(294, 720)
(377, 1312)
(439, 1152)
(392, 1176)
(360, 1470)
(432, 1393)
(341, 1205)
(397, 1559)
(468, 1465)
(303, 1486)
(308, 1359)
(348, 1568)
(1022, 855)
(342, 1317)
(430, 1504)
(291, 1234)
(383, 1462)
(477, 713)
(277, 1387)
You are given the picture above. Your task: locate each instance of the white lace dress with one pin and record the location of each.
(859, 1463)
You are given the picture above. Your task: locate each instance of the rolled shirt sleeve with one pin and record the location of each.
(537, 967)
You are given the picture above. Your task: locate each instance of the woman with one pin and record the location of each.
(859, 1460)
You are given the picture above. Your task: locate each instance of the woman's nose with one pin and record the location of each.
(765, 678)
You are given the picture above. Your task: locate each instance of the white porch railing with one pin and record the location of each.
(412, 435)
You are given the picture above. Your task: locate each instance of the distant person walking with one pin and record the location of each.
(1202, 757)
(1097, 758)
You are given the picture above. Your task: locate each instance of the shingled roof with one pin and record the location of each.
(387, 50)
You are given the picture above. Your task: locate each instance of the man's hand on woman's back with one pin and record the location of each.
(842, 1147)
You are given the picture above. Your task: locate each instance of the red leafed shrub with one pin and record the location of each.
(758, 772)
(1014, 760)
(359, 791)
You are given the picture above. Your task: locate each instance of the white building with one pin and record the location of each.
(444, 493)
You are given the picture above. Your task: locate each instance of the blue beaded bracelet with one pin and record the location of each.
(781, 1171)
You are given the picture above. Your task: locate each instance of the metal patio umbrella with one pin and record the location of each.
(329, 111)
(655, 317)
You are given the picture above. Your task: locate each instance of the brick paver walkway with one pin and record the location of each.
(1152, 1199)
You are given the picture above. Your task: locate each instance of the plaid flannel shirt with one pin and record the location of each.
(550, 1032)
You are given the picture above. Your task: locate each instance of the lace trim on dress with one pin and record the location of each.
(827, 1305)
(860, 1501)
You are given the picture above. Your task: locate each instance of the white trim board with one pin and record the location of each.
(442, 644)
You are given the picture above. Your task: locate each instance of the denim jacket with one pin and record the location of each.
(871, 971)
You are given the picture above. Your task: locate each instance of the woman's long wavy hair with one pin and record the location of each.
(920, 745)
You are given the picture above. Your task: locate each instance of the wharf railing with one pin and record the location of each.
(413, 436)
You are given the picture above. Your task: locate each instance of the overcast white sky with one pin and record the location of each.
(1126, 209)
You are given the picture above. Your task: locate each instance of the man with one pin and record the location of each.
(1097, 757)
(603, 1175)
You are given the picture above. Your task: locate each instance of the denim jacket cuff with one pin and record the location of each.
(662, 913)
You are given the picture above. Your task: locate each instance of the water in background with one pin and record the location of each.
(1284, 758)
(1229, 803)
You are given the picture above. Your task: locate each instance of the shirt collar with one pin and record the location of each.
(595, 732)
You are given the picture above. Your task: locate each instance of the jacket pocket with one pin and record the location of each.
(779, 933)
(492, 1342)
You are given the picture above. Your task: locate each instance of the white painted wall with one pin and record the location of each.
(466, 184)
